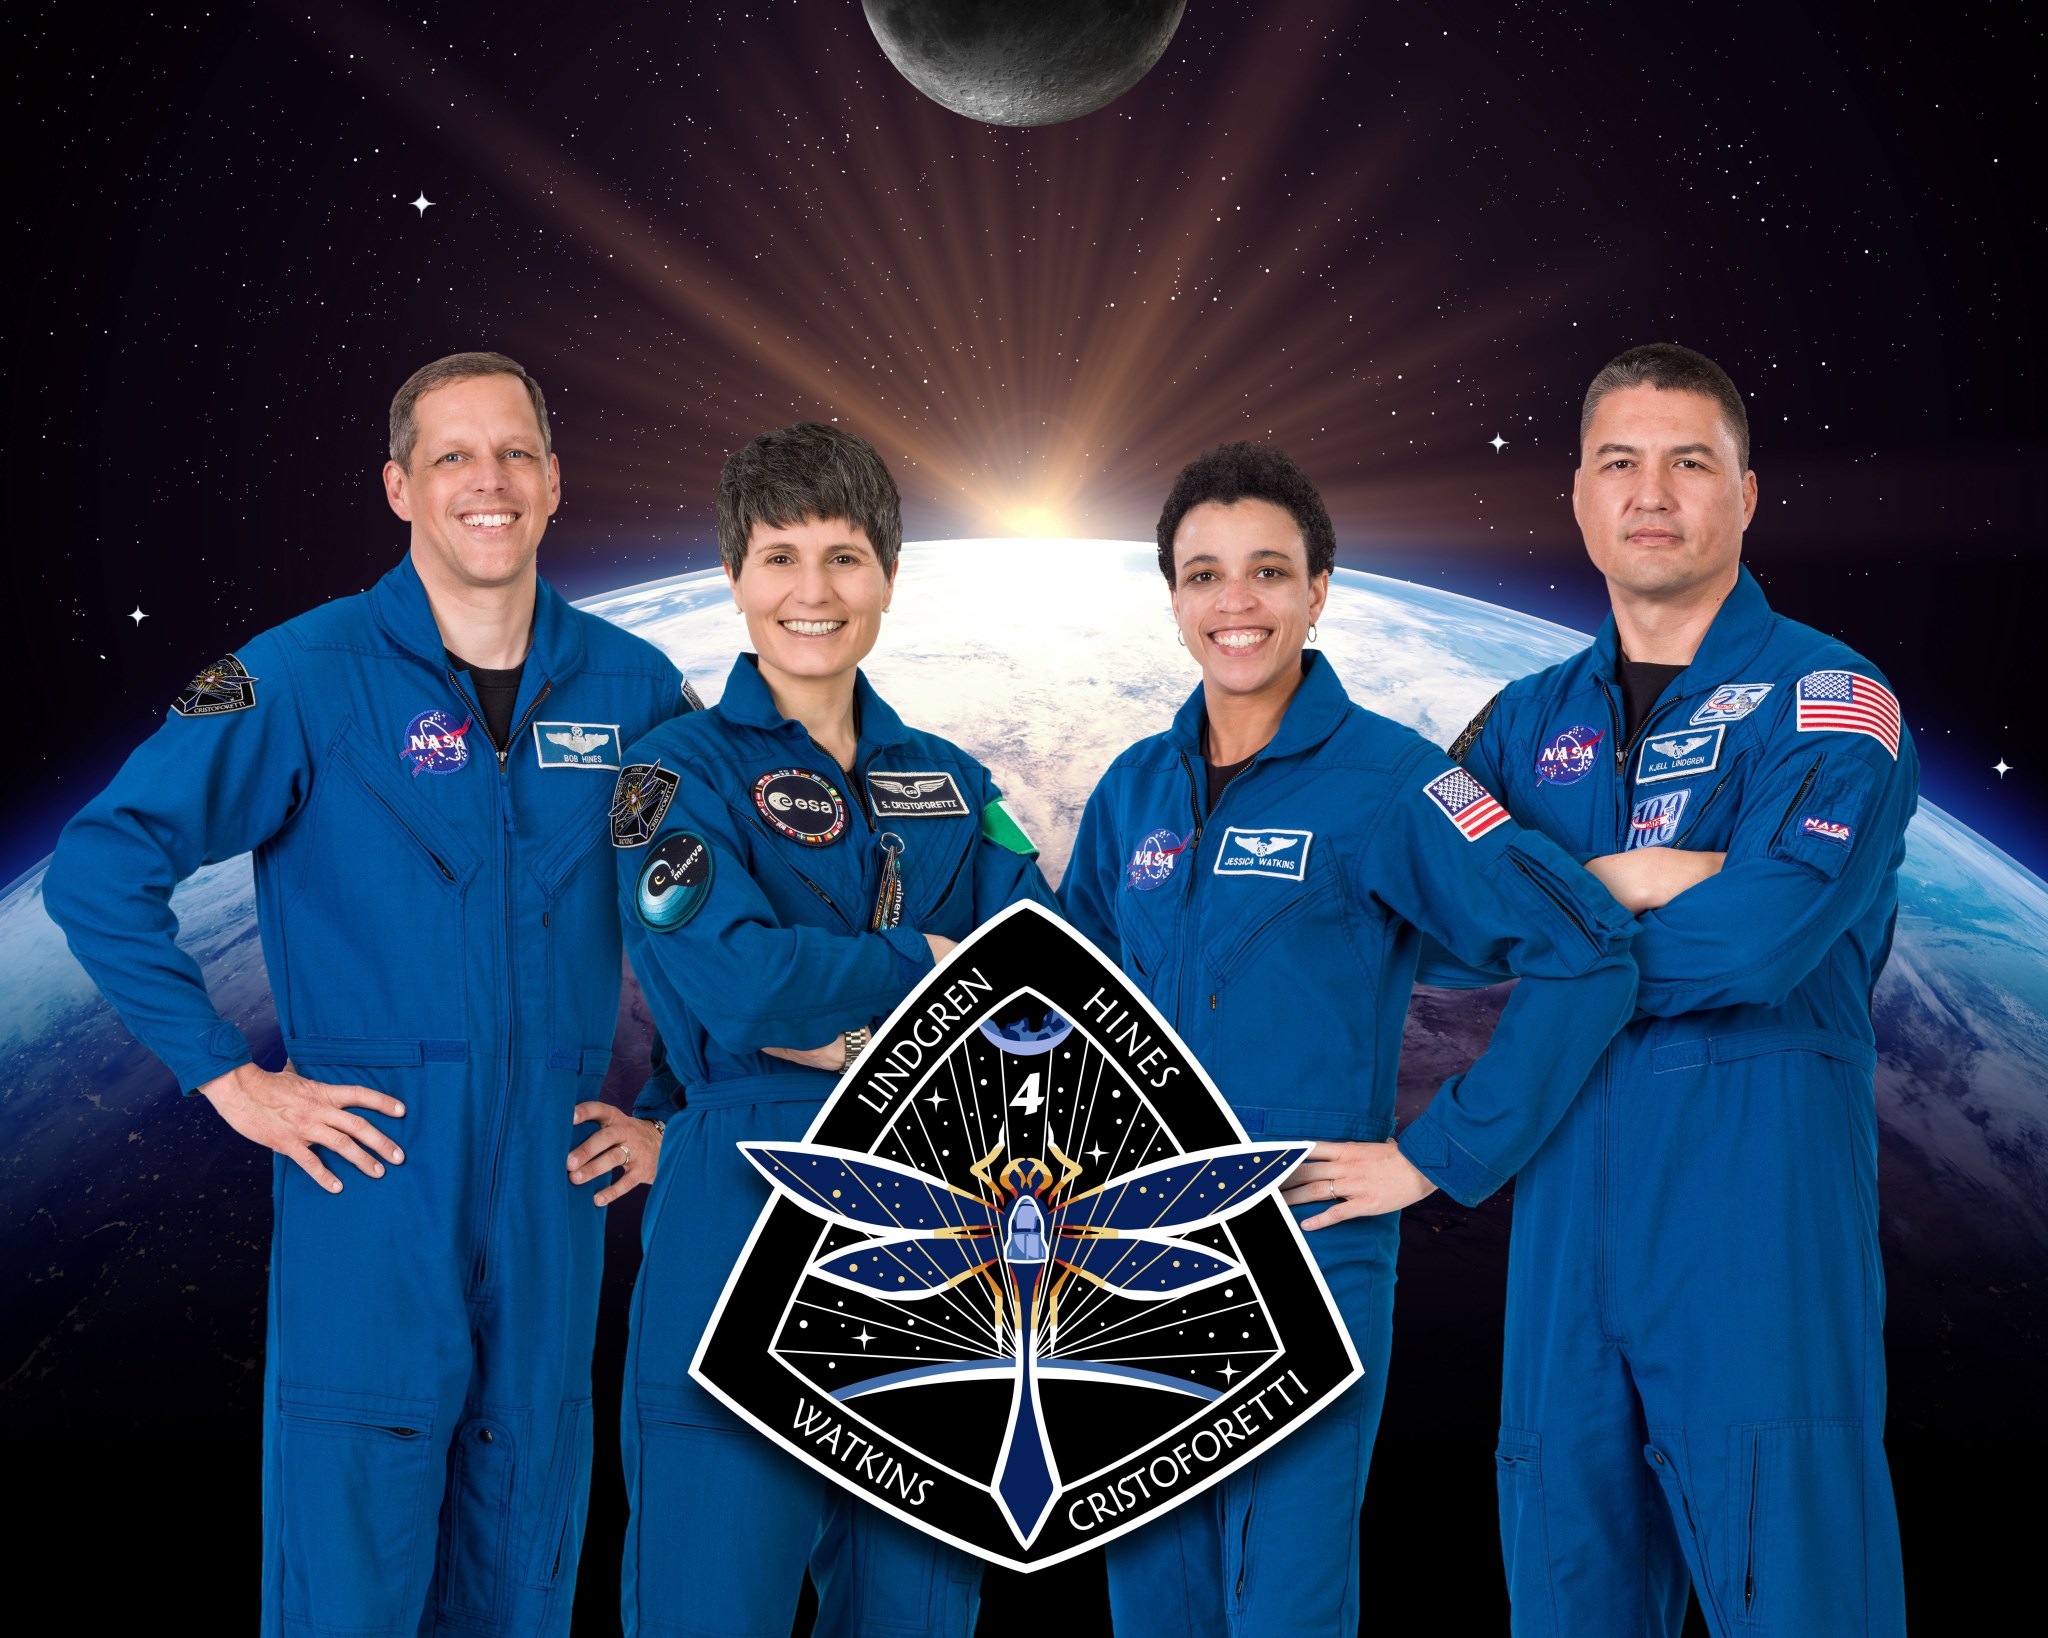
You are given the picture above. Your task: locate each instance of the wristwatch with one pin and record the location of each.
(660, 1127)
(856, 1042)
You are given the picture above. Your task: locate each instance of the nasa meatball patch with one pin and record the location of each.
(1026, 1283)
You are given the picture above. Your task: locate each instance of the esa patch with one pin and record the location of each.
(1842, 702)
(928, 795)
(1466, 803)
(639, 799)
(999, 825)
(1653, 821)
(222, 687)
(804, 806)
(1154, 858)
(1570, 755)
(435, 743)
(1680, 755)
(675, 882)
(1827, 829)
(1731, 702)
(1469, 736)
(1029, 1349)
(577, 744)
(1278, 855)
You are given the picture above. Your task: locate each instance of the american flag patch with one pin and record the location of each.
(1844, 703)
(1466, 803)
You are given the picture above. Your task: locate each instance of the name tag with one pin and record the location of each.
(929, 795)
(577, 744)
(1680, 755)
(1278, 855)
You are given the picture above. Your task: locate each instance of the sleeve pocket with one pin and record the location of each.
(1820, 827)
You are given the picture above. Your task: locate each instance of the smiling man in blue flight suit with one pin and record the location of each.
(790, 863)
(422, 772)
(1694, 1380)
(1266, 870)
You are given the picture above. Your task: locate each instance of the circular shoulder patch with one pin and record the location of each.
(675, 881)
(803, 806)
(1569, 755)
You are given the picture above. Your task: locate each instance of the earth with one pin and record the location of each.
(135, 1225)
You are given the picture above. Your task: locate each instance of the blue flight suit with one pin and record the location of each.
(1279, 934)
(440, 924)
(745, 936)
(1694, 1378)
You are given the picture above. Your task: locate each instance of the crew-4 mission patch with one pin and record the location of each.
(222, 687)
(639, 799)
(1025, 1284)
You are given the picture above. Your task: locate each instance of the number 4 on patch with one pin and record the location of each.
(1029, 1098)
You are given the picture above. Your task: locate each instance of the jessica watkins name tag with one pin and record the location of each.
(1025, 1284)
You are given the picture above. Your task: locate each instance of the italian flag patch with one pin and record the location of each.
(1000, 826)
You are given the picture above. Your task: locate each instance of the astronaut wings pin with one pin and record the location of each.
(1025, 1284)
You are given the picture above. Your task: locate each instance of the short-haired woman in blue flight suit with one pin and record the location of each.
(1266, 870)
(781, 894)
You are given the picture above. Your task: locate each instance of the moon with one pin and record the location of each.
(1024, 62)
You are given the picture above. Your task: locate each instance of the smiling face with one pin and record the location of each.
(814, 594)
(1243, 596)
(479, 490)
(1661, 495)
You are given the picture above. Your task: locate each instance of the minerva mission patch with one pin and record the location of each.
(1025, 1284)
(222, 687)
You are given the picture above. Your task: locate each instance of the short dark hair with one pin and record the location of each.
(1230, 473)
(809, 470)
(1670, 368)
(405, 430)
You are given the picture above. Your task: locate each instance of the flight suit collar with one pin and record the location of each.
(1731, 644)
(1313, 714)
(747, 700)
(400, 604)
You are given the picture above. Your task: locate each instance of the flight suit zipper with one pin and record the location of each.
(1192, 850)
(511, 1014)
(1623, 752)
(440, 864)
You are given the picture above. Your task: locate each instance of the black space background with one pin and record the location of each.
(216, 283)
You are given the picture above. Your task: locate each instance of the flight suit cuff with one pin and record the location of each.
(913, 954)
(1451, 1167)
(220, 1049)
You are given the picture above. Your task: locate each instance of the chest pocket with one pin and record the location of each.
(444, 857)
(1713, 808)
(1265, 884)
(574, 843)
(938, 874)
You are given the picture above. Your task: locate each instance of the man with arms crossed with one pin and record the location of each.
(1694, 1381)
(422, 772)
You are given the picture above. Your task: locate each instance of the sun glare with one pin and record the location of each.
(1036, 521)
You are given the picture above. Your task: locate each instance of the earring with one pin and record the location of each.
(1179, 637)
(1311, 632)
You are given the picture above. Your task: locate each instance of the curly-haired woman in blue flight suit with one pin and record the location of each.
(790, 866)
(1266, 869)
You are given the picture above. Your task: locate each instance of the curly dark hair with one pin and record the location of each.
(809, 470)
(1246, 471)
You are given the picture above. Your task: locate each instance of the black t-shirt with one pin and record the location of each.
(1221, 774)
(1641, 684)
(496, 692)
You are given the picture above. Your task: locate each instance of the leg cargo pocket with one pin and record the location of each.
(358, 1492)
(1796, 1495)
(1524, 1532)
(482, 1469)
